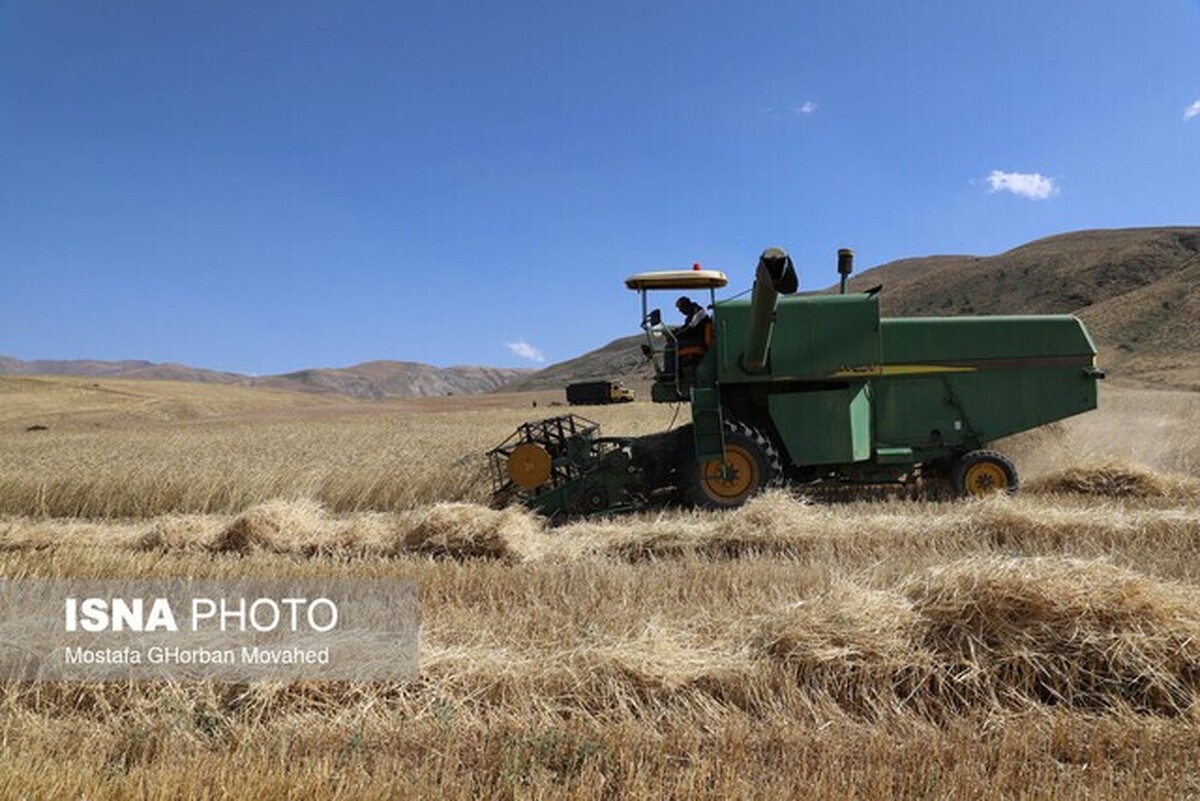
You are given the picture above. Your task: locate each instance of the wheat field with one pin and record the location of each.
(882, 645)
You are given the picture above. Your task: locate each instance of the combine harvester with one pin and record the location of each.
(808, 389)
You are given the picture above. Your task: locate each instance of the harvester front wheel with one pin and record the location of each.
(982, 473)
(751, 464)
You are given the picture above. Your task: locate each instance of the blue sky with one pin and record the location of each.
(265, 186)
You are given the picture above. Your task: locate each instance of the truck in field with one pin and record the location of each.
(595, 393)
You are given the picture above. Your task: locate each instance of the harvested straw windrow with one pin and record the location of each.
(1115, 479)
(277, 526)
(466, 531)
(1082, 633)
(993, 632)
(854, 646)
(772, 524)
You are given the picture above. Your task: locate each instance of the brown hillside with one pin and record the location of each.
(1136, 288)
(620, 359)
(119, 369)
(1056, 275)
(382, 379)
(379, 379)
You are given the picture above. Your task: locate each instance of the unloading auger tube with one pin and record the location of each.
(807, 389)
(775, 275)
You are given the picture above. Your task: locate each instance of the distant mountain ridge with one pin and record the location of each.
(377, 379)
(387, 379)
(1137, 289)
(119, 369)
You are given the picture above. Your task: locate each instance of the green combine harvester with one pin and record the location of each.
(806, 389)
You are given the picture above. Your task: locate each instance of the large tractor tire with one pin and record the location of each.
(753, 464)
(981, 473)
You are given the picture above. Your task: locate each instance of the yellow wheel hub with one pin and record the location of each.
(529, 465)
(985, 478)
(739, 479)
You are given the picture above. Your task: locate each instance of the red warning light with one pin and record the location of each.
(696, 266)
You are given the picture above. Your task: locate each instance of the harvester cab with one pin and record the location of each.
(675, 363)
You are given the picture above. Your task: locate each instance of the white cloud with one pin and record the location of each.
(1192, 111)
(1026, 184)
(525, 351)
(783, 112)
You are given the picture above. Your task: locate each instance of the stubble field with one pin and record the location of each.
(1045, 645)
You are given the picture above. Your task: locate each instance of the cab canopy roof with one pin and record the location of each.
(678, 279)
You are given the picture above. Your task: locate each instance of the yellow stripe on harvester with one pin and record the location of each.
(901, 369)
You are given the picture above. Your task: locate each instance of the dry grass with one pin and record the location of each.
(1044, 645)
(1155, 429)
(997, 633)
(1116, 479)
(463, 531)
(118, 459)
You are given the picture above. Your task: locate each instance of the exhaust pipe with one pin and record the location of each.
(845, 266)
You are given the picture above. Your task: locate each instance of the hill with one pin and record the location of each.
(1136, 288)
(120, 369)
(384, 379)
(620, 359)
(378, 379)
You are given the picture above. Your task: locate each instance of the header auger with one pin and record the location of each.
(809, 388)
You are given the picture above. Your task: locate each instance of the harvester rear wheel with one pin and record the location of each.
(752, 464)
(982, 473)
